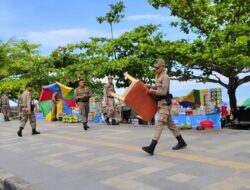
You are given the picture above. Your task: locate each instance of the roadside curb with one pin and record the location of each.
(10, 182)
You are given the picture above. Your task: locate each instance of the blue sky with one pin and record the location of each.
(57, 22)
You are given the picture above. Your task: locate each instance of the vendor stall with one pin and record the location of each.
(196, 120)
(199, 107)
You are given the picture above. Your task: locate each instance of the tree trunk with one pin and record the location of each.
(232, 85)
(112, 36)
(111, 28)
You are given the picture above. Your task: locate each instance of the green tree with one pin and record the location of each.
(222, 46)
(115, 15)
(70, 63)
(135, 52)
(17, 59)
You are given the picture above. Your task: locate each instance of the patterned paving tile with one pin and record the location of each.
(181, 177)
(232, 183)
(120, 164)
(106, 168)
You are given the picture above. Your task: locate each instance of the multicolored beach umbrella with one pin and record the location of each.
(66, 100)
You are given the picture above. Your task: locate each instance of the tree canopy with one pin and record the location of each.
(17, 59)
(222, 46)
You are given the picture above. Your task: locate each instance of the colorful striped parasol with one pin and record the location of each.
(66, 101)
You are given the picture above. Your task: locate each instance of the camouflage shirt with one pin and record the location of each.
(27, 100)
(162, 85)
(4, 101)
(107, 89)
(82, 94)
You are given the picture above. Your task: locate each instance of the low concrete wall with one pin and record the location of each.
(10, 182)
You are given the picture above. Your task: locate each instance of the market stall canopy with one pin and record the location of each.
(65, 103)
(202, 97)
(189, 99)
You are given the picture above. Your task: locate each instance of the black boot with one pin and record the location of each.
(7, 118)
(113, 122)
(35, 132)
(85, 127)
(19, 132)
(150, 149)
(181, 143)
(107, 121)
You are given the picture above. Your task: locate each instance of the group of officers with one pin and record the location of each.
(82, 95)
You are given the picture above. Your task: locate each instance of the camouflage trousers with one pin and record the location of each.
(25, 117)
(20, 112)
(54, 111)
(165, 119)
(111, 108)
(5, 111)
(84, 110)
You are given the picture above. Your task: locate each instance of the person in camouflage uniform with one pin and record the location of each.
(54, 100)
(27, 111)
(19, 105)
(82, 95)
(109, 100)
(5, 106)
(161, 92)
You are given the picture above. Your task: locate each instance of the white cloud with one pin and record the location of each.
(55, 38)
(150, 17)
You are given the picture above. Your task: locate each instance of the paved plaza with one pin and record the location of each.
(64, 157)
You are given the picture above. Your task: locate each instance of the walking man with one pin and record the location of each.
(82, 95)
(5, 106)
(161, 92)
(109, 101)
(27, 111)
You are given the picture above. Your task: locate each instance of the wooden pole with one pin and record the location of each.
(132, 79)
(117, 96)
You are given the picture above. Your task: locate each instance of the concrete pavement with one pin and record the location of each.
(109, 157)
